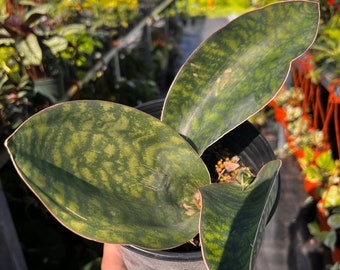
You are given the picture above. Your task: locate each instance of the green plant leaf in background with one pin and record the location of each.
(326, 162)
(5, 37)
(334, 221)
(72, 29)
(331, 197)
(238, 70)
(56, 44)
(33, 16)
(30, 49)
(233, 220)
(111, 173)
(313, 174)
(308, 154)
(330, 239)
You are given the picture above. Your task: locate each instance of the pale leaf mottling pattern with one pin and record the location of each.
(113, 174)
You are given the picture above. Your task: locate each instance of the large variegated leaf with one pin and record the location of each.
(111, 173)
(238, 70)
(233, 220)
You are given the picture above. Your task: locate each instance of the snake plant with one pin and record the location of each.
(111, 173)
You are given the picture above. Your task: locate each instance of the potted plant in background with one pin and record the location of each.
(320, 169)
(34, 48)
(43, 48)
(316, 168)
(15, 94)
(325, 51)
(114, 174)
(39, 58)
(327, 223)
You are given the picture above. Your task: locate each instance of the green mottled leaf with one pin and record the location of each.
(111, 173)
(233, 220)
(238, 70)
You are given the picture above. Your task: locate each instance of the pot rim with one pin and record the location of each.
(167, 255)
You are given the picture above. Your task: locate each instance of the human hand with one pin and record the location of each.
(112, 258)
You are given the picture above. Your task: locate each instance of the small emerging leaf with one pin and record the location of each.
(233, 219)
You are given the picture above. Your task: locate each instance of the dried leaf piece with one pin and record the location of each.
(230, 166)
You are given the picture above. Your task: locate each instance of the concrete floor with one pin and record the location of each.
(275, 246)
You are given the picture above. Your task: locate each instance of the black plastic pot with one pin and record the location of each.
(142, 259)
(305, 252)
(245, 141)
